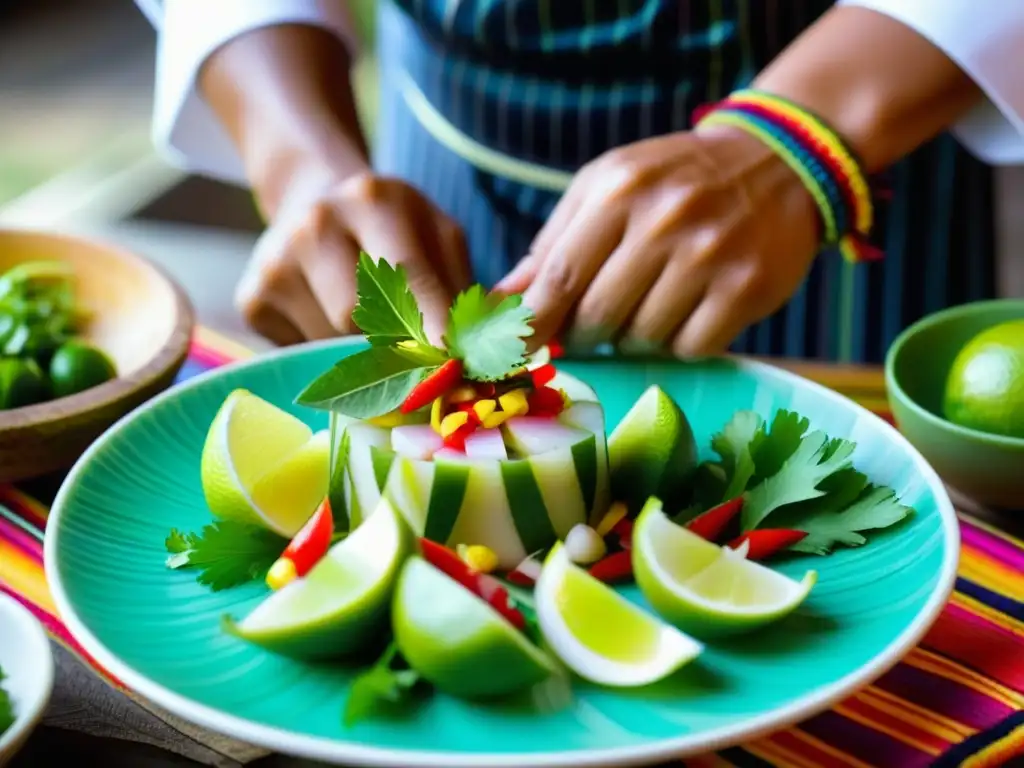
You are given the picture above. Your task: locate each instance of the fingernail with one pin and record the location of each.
(635, 346)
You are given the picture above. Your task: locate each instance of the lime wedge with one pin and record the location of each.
(652, 451)
(263, 466)
(341, 605)
(457, 641)
(703, 588)
(601, 635)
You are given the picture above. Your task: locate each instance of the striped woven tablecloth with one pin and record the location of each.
(955, 700)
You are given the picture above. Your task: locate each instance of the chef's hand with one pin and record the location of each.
(300, 283)
(282, 95)
(676, 242)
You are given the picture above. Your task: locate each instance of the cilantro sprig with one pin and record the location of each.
(227, 553)
(387, 685)
(486, 333)
(7, 715)
(794, 478)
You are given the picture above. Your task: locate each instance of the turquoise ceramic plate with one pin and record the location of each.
(158, 630)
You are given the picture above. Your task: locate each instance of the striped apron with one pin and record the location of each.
(489, 106)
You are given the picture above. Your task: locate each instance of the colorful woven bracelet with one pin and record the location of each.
(827, 167)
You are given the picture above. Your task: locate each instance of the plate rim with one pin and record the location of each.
(25, 722)
(340, 751)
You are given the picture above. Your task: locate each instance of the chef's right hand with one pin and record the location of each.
(300, 283)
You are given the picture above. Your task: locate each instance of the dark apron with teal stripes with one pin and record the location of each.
(559, 83)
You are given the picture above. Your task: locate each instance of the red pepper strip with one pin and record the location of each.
(624, 531)
(555, 350)
(711, 524)
(767, 541)
(543, 374)
(312, 541)
(457, 439)
(545, 400)
(485, 389)
(436, 384)
(468, 408)
(485, 587)
(613, 568)
(520, 578)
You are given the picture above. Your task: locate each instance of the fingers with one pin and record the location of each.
(713, 326)
(572, 263)
(617, 291)
(398, 237)
(327, 256)
(275, 299)
(452, 253)
(519, 279)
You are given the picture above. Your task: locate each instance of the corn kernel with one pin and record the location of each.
(514, 402)
(496, 419)
(452, 422)
(282, 572)
(387, 420)
(615, 512)
(484, 408)
(435, 414)
(478, 557)
(462, 394)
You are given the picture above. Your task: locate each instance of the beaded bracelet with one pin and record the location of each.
(827, 167)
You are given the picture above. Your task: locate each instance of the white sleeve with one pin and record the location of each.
(986, 40)
(185, 130)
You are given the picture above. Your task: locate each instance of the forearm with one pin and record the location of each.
(285, 98)
(881, 85)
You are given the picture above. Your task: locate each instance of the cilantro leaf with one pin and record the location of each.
(875, 508)
(387, 684)
(798, 478)
(7, 716)
(733, 444)
(772, 446)
(488, 335)
(372, 382)
(386, 311)
(227, 553)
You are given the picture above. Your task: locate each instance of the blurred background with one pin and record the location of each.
(76, 92)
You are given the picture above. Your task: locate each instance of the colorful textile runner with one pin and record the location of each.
(955, 700)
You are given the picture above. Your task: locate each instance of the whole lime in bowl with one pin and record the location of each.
(985, 388)
(954, 383)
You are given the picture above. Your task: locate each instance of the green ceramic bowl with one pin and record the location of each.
(988, 469)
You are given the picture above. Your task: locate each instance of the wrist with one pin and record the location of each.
(842, 70)
(283, 95)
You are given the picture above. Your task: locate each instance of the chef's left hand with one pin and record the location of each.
(677, 242)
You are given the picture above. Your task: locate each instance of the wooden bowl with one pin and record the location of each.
(141, 319)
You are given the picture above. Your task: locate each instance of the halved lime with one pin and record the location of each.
(703, 588)
(652, 451)
(263, 466)
(457, 641)
(601, 635)
(341, 605)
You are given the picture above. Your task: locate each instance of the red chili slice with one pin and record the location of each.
(468, 408)
(312, 541)
(436, 384)
(555, 350)
(711, 524)
(545, 400)
(624, 531)
(457, 439)
(614, 568)
(485, 389)
(767, 541)
(487, 588)
(543, 374)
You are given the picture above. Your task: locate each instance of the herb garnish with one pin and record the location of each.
(7, 717)
(794, 479)
(227, 552)
(388, 684)
(486, 333)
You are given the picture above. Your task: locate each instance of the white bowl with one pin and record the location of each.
(27, 662)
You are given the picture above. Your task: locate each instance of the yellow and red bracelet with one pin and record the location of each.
(827, 167)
